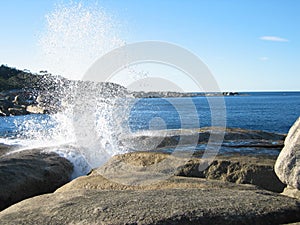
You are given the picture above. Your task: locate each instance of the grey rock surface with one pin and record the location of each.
(29, 173)
(287, 166)
(170, 206)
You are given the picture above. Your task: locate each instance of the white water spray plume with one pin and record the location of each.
(75, 36)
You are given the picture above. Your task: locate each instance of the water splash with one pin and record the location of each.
(75, 36)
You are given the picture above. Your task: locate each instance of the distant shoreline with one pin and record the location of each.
(22, 92)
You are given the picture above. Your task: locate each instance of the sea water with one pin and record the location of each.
(267, 111)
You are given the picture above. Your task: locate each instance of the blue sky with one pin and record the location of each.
(248, 45)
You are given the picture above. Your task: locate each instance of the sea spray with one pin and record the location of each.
(100, 117)
(75, 36)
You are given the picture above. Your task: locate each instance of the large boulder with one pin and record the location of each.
(29, 173)
(287, 166)
(144, 168)
(177, 201)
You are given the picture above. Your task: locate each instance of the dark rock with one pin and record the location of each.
(24, 98)
(21, 89)
(4, 113)
(29, 173)
(17, 111)
(4, 105)
(6, 148)
(230, 93)
(169, 138)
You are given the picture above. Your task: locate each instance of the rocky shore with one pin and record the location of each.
(170, 94)
(134, 196)
(157, 188)
(22, 92)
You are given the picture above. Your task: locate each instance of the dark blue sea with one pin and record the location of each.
(267, 111)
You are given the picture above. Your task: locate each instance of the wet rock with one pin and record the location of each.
(29, 173)
(287, 166)
(4, 105)
(44, 100)
(24, 98)
(3, 113)
(6, 148)
(17, 111)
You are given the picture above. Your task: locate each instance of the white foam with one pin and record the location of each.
(80, 165)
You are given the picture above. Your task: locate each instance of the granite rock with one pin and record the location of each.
(169, 206)
(29, 173)
(287, 166)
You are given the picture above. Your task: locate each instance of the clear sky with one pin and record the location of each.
(247, 44)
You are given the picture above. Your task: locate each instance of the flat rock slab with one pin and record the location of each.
(171, 206)
(98, 182)
(156, 139)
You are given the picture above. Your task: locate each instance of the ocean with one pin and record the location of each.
(273, 112)
(267, 111)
